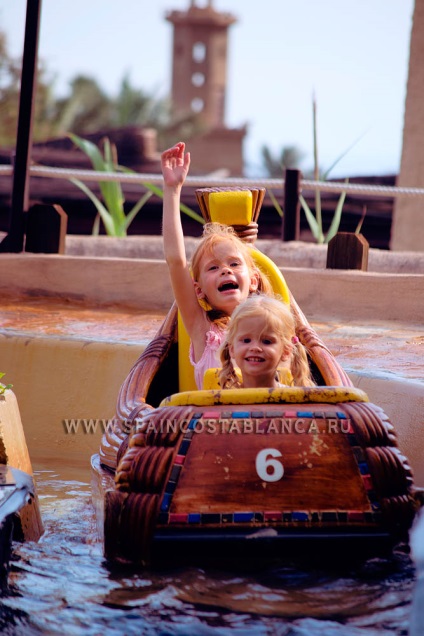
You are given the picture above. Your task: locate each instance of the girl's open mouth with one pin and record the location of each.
(228, 286)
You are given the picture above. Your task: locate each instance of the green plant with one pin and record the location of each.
(315, 220)
(4, 387)
(275, 203)
(112, 212)
(183, 207)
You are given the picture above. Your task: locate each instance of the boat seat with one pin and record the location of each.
(230, 207)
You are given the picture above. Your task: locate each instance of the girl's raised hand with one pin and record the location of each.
(175, 164)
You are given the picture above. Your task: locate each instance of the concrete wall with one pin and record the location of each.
(57, 380)
(343, 294)
(284, 254)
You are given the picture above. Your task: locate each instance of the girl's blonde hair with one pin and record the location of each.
(280, 319)
(213, 235)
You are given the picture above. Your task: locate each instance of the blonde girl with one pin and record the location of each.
(223, 272)
(262, 341)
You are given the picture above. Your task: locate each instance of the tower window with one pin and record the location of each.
(197, 79)
(201, 4)
(199, 52)
(197, 105)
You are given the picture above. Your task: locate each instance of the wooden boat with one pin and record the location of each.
(241, 472)
(16, 493)
(20, 518)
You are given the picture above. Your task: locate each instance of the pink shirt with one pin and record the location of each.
(209, 358)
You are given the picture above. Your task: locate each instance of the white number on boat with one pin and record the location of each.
(267, 467)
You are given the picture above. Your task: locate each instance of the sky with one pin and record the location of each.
(351, 54)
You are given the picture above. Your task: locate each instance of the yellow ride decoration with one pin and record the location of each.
(211, 377)
(289, 395)
(238, 203)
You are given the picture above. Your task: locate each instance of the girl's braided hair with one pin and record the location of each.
(279, 317)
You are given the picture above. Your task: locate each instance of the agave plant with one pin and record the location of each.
(111, 210)
(315, 220)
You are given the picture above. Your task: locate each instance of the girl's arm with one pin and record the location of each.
(175, 165)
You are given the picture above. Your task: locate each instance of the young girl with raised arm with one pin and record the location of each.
(262, 341)
(222, 275)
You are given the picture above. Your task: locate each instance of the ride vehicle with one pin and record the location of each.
(189, 475)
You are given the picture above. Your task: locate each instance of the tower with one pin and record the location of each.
(407, 224)
(199, 64)
(199, 83)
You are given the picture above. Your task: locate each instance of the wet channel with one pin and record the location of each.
(63, 585)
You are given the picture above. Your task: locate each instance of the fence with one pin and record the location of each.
(292, 185)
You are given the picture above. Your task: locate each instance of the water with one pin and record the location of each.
(62, 585)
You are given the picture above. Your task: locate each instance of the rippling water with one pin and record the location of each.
(62, 585)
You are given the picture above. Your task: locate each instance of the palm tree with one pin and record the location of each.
(10, 78)
(290, 157)
(85, 110)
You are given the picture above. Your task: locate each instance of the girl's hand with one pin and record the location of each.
(175, 165)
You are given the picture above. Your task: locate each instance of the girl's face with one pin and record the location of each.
(257, 349)
(224, 279)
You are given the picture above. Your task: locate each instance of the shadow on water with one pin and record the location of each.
(62, 585)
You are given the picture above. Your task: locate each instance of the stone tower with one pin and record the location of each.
(199, 83)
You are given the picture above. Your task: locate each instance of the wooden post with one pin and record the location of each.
(348, 250)
(291, 219)
(46, 229)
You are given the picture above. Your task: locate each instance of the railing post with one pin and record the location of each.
(46, 229)
(348, 250)
(291, 209)
(14, 241)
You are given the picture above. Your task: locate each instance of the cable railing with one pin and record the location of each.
(211, 181)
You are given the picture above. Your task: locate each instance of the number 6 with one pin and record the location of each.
(264, 463)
